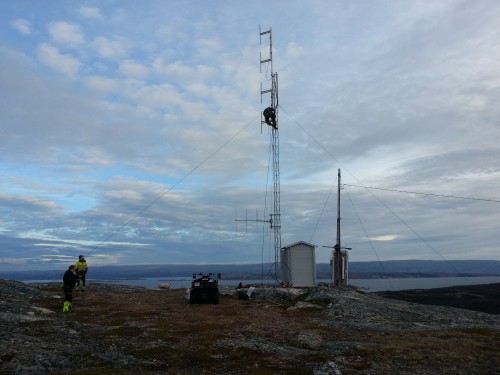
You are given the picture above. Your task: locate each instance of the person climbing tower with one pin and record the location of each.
(270, 117)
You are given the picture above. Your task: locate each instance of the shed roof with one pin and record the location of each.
(298, 243)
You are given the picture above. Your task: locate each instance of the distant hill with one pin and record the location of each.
(142, 271)
(426, 266)
(397, 268)
(418, 268)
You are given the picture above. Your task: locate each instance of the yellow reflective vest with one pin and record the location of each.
(81, 267)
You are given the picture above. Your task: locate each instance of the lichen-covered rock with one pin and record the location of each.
(279, 294)
(303, 305)
(328, 368)
(321, 295)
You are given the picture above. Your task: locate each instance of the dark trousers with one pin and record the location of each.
(68, 293)
(82, 278)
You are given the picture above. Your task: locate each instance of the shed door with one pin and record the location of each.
(302, 266)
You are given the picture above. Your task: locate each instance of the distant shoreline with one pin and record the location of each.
(27, 276)
(401, 269)
(484, 298)
(369, 285)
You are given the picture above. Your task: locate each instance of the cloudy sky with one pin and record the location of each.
(130, 132)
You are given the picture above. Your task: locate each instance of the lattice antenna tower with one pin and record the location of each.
(271, 96)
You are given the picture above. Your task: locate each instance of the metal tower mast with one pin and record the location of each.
(275, 220)
(340, 257)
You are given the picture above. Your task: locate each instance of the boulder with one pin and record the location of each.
(164, 286)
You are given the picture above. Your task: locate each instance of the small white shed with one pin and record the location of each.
(298, 264)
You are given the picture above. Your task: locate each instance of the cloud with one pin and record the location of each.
(14, 261)
(90, 12)
(294, 50)
(164, 96)
(63, 63)
(388, 237)
(177, 69)
(208, 46)
(66, 34)
(114, 48)
(155, 117)
(133, 69)
(103, 84)
(22, 26)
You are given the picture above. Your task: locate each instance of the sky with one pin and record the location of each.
(130, 132)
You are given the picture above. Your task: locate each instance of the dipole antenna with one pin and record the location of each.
(269, 116)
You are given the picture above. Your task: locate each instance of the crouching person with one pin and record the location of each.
(70, 278)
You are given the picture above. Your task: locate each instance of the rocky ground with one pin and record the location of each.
(131, 330)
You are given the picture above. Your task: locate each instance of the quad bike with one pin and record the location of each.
(204, 289)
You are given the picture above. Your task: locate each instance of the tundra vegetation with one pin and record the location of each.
(132, 330)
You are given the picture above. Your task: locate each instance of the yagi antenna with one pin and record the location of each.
(246, 220)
